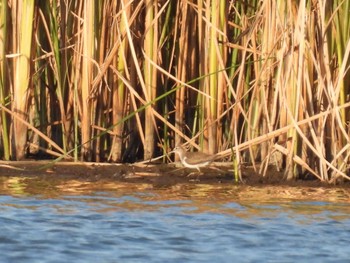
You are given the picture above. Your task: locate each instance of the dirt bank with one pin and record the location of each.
(155, 174)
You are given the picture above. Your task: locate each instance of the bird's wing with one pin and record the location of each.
(198, 157)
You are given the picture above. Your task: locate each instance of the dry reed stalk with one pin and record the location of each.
(22, 16)
(211, 72)
(146, 104)
(4, 91)
(212, 88)
(217, 62)
(151, 49)
(238, 127)
(18, 117)
(88, 52)
(118, 88)
(283, 130)
(260, 106)
(182, 72)
(222, 51)
(134, 74)
(53, 66)
(100, 103)
(199, 121)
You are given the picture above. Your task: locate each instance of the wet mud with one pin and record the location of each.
(158, 175)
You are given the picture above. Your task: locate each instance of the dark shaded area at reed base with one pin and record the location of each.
(156, 175)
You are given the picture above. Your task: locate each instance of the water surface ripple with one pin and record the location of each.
(165, 226)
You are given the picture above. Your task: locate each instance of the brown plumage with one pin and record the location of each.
(194, 160)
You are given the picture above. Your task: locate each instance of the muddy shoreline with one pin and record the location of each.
(158, 175)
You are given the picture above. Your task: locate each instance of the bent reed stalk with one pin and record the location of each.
(263, 82)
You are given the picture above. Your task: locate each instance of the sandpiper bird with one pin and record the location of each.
(194, 160)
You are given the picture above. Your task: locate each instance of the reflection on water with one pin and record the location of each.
(61, 221)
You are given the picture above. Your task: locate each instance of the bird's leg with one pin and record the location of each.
(191, 173)
(199, 173)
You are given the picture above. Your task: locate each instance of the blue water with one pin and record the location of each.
(150, 226)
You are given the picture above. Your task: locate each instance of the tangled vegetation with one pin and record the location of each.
(256, 81)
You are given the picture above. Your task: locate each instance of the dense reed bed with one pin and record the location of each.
(258, 81)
